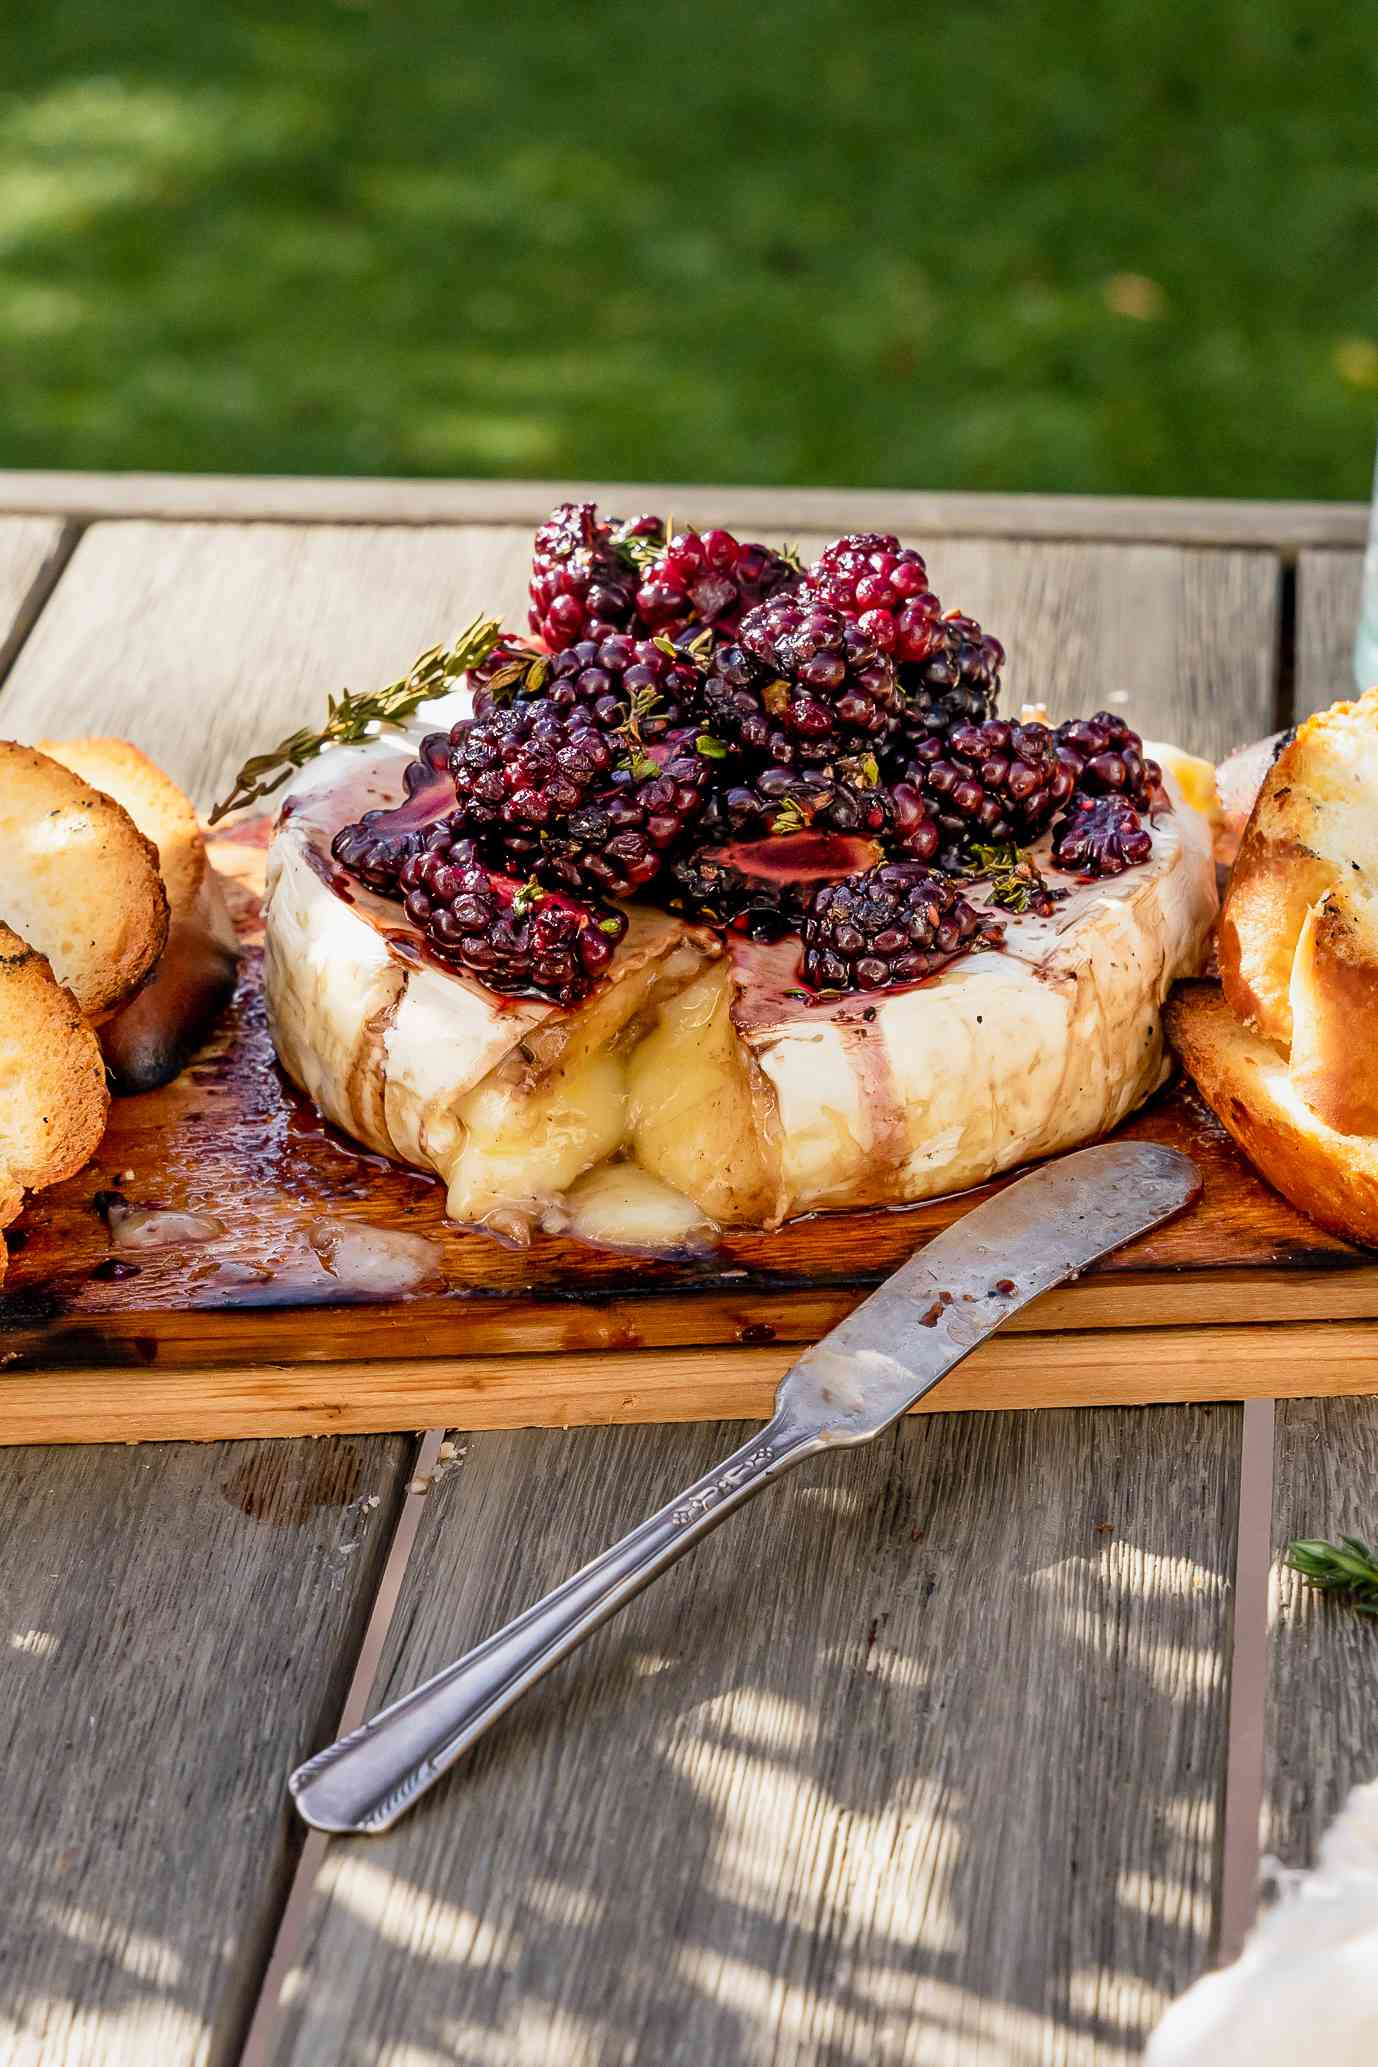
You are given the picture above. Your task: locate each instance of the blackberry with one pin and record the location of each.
(610, 680)
(848, 799)
(519, 773)
(617, 841)
(1107, 759)
(516, 938)
(894, 924)
(377, 845)
(802, 685)
(549, 792)
(990, 782)
(957, 683)
(871, 577)
(762, 887)
(583, 581)
(1100, 836)
(709, 578)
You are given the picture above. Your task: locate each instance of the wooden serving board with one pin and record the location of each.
(271, 1317)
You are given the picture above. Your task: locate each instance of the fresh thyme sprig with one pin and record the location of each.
(644, 703)
(350, 717)
(1347, 1569)
(1016, 882)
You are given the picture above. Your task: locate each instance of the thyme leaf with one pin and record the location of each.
(1016, 881)
(350, 717)
(789, 818)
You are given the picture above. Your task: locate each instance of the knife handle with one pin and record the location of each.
(370, 1778)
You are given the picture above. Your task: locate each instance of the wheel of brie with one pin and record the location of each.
(700, 1085)
(730, 900)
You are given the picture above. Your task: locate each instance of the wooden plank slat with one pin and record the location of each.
(204, 643)
(1157, 1366)
(212, 636)
(1322, 1730)
(33, 552)
(1322, 1721)
(1181, 643)
(944, 1791)
(1328, 586)
(179, 1625)
(1322, 1726)
(183, 498)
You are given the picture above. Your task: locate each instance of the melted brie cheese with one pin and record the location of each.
(708, 1077)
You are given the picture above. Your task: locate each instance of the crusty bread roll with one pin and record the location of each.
(1331, 1176)
(80, 882)
(1298, 940)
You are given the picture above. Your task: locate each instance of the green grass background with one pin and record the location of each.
(1124, 248)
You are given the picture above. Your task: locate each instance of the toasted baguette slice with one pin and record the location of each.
(151, 1038)
(80, 881)
(11, 1199)
(162, 812)
(1330, 1176)
(53, 1099)
(1299, 928)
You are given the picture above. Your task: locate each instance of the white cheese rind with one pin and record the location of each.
(1006, 1056)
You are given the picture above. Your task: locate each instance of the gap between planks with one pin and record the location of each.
(1241, 1833)
(32, 603)
(260, 2038)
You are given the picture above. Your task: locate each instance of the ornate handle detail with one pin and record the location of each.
(367, 1780)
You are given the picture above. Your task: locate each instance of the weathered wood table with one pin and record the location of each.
(954, 1752)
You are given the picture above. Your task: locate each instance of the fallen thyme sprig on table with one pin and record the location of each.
(350, 717)
(1346, 1569)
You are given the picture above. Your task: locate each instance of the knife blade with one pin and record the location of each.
(873, 1367)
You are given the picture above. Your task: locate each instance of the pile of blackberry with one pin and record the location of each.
(766, 750)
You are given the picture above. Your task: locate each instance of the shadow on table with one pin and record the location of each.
(919, 1759)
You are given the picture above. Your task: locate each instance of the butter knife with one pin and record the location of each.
(895, 1347)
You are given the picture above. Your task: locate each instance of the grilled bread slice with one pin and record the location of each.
(1299, 929)
(81, 882)
(1329, 1175)
(162, 812)
(151, 1038)
(53, 1099)
(11, 1199)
